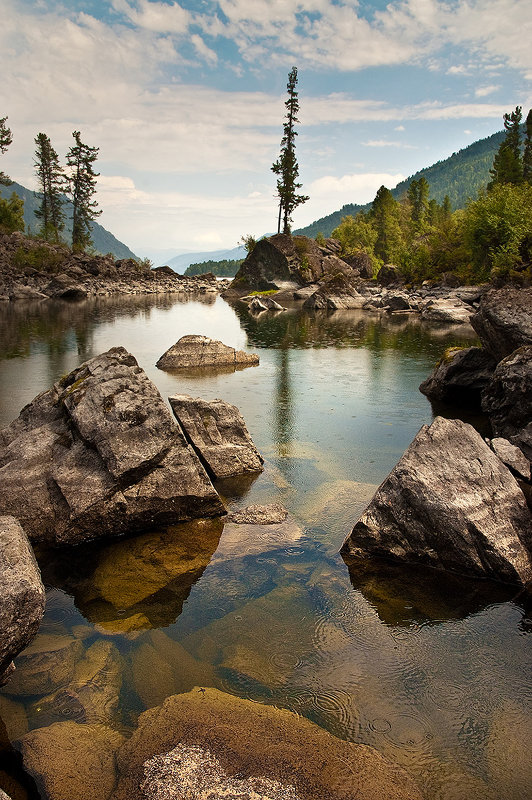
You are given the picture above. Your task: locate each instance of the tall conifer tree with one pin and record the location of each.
(508, 163)
(52, 183)
(5, 140)
(80, 159)
(286, 166)
(527, 153)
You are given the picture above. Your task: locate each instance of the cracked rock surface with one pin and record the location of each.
(195, 351)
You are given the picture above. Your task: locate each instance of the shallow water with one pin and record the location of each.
(431, 669)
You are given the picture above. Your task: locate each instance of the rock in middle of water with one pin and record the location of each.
(449, 503)
(200, 351)
(100, 455)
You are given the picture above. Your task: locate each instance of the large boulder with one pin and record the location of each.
(258, 741)
(449, 503)
(21, 593)
(460, 376)
(335, 293)
(100, 455)
(448, 310)
(508, 399)
(199, 351)
(503, 321)
(282, 260)
(219, 435)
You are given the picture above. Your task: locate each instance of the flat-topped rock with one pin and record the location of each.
(200, 351)
(449, 503)
(100, 455)
(258, 741)
(21, 593)
(218, 433)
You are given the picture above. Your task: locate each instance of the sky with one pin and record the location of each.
(185, 101)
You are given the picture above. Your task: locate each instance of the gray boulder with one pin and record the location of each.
(460, 376)
(389, 274)
(512, 456)
(508, 399)
(447, 309)
(218, 433)
(21, 593)
(200, 351)
(449, 503)
(503, 321)
(335, 293)
(100, 455)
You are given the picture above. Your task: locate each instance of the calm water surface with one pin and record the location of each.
(432, 670)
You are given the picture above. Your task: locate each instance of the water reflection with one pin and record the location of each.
(135, 584)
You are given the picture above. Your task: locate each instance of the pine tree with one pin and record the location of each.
(418, 194)
(52, 183)
(5, 140)
(508, 164)
(527, 153)
(286, 165)
(80, 159)
(385, 215)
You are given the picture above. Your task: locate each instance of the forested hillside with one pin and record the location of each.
(459, 177)
(103, 241)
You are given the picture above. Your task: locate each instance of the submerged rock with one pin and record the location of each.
(194, 772)
(503, 321)
(460, 376)
(258, 741)
(47, 664)
(218, 433)
(449, 503)
(259, 515)
(100, 455)
(200, 351)
(70, 761)
(21, 594)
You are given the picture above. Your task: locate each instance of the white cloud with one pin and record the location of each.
(387, 143)
(484, 91)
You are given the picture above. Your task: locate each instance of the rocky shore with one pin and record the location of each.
(31, 269)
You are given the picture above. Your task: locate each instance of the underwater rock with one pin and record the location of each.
(503, 321)
(21, 594)
(460, 376)
(449, 503)
(509, 764)
(199, 351)
(99, 455)
(47, 664)
(70, 761)
(195, 772)
(260, 741)
(259, 515)
(13, 720)
(218, 434)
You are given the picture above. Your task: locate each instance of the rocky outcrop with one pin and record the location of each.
(503, 321)
(336, 292)
(21, 594)
(70, 761)
(449, 503)
(280, 260)
(512, 456)
(460, 377)
(100, 455)
(199, 351)
(218, 434)
(508, 399)
(194, 772)
(389, 274)
(257, 741)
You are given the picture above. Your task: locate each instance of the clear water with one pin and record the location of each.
(431, 669)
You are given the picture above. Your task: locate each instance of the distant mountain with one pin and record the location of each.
(460, 176)
(181, 262)
(103, 241)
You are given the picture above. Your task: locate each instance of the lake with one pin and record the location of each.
(431, 669)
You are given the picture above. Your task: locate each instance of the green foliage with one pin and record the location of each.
(508, 163)
(266, 293)
(226, 268)
(5, 140)
(11, 214)
(39, 257)
(248, 242)
(52, 182)
(286, 166)
(80, 159)
(527, 152)
(320, 239)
